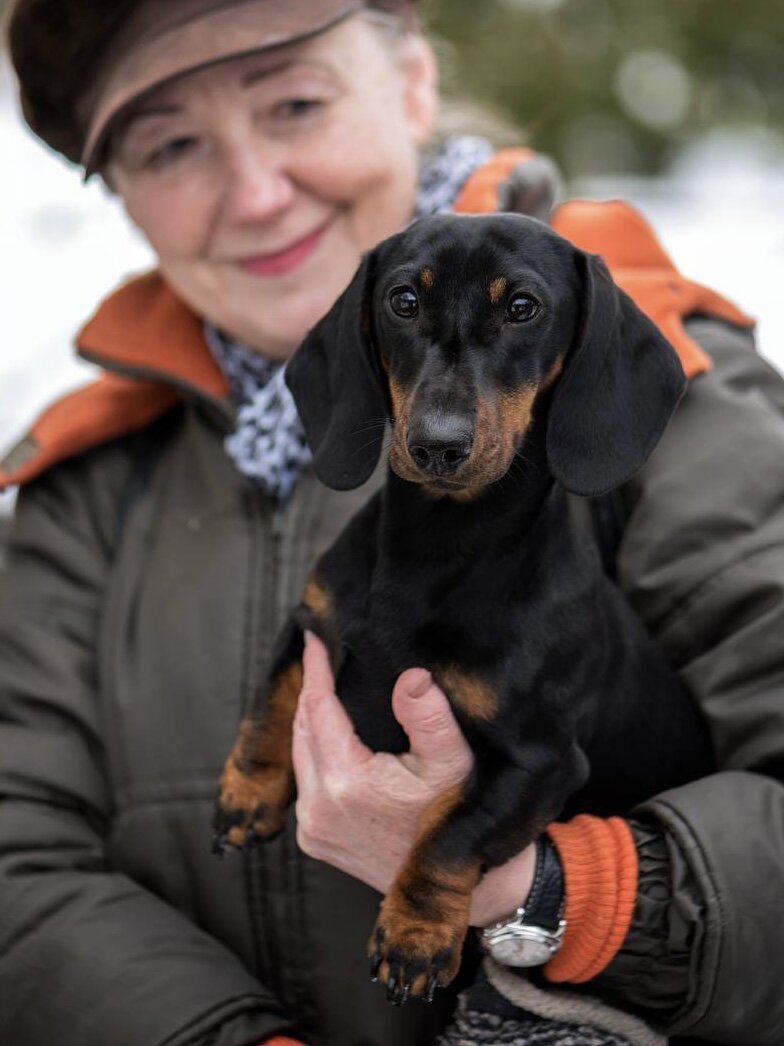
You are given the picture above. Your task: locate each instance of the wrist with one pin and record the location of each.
(503, 889)
(534, 932)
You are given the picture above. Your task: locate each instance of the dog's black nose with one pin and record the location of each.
(440, 444)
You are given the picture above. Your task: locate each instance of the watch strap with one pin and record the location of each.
(546, 898)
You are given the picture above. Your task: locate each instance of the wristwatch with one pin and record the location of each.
(534, 933)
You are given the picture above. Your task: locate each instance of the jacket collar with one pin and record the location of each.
(153, 355)
(144, 331)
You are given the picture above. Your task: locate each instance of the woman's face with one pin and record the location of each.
(260, 182)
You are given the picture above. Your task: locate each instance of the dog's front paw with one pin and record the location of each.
(250, 807)
(413, 955)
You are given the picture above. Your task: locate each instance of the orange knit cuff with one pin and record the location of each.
(280, 1040)
(600, 868)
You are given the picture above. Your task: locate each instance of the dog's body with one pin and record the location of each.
(506, 361)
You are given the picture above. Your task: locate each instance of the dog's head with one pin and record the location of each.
(456, 330)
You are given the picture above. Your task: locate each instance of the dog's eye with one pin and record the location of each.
(521, 308)
(404, 302)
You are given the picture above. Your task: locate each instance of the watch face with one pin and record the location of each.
(522, 951)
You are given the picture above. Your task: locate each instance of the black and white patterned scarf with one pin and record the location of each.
(268, 442)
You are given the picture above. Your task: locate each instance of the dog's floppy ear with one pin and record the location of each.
(339, 389)
(620, 385)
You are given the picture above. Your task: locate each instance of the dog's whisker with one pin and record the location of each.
(516, 475)
(365, 446)
(372, 423)
(527, 465)
(522, 471)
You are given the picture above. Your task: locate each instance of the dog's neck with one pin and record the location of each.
(419, 523)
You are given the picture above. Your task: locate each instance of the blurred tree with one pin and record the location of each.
(617, 85)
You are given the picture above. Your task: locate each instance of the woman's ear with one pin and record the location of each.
(420, 69)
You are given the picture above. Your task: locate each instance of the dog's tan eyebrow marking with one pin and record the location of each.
(497, 288)
(427, 278)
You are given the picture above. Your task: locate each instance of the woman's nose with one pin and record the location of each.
(257, 188)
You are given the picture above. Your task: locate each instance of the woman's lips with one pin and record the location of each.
(281, 262)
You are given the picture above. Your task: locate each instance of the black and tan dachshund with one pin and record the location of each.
(513, 371)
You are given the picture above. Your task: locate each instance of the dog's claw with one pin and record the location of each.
(430, 988)
(375, 964)
(219, 844)
(397, 993)
(392, 989)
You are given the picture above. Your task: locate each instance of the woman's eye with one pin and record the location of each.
(521, 308)
(404, 302)
(170, 151)
(292, 108)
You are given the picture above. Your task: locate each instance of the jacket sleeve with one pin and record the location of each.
(702, 560)
(87, 956)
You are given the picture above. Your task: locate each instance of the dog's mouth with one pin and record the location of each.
(465, 484)
(448, 486)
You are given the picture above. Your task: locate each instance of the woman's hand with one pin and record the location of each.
(358, 810)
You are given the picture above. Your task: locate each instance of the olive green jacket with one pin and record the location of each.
(144, 584)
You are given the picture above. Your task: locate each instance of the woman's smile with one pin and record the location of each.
(287, 258)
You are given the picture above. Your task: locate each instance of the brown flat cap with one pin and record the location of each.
(81, 63)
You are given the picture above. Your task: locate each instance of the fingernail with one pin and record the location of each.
(422, 686)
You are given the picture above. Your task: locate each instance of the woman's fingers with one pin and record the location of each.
(317, 671)
(327, 751)
(324, 744)
(439, 753)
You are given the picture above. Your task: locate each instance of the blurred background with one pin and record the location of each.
(676, 105)
(610, 86)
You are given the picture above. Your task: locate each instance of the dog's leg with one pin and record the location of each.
(257, 784)
(502, 807)
(418, 938)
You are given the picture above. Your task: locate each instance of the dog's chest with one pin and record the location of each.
(484, 614)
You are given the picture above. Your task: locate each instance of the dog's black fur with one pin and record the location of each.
(512, 370)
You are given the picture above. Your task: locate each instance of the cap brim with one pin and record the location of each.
(232, 30)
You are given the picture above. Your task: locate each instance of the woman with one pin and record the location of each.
(167, 522)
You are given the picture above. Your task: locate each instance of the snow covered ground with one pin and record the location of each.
(65, 245)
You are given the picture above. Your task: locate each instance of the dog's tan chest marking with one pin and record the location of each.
(316, 599)
(472, 695)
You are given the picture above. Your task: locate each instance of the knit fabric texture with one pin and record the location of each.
(478, 1028)
(486, 1018)
(268, 442)
(600, 865)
